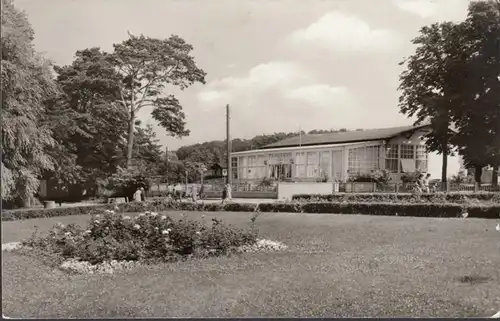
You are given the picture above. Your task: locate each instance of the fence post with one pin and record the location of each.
(397, 188)
(447, 186)
(476, 187)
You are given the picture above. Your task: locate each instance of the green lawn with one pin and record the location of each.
(336, 266)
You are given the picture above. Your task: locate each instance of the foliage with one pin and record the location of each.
(478, 114)
(26, 84)
(429, 205)
(265, 182)
(127, 181)
(428, 85)
(147, 238)
(410, 177)
(462, 198)
(146, 66)
(87, 111)
(146, 146)
(380, 177)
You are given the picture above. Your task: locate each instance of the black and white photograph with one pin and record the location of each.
(250, 158)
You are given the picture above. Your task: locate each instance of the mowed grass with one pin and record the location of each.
(336, 266)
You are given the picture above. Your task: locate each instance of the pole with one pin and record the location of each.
(228, 142)
(300, 136)
(166, 162)
(187, 181)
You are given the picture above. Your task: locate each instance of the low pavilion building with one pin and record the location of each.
(335, 156)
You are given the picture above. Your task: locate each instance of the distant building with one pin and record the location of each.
(335, 156)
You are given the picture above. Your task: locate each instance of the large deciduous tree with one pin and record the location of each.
(27, 82)
(88, 120)
(478, 114)
(147, 66)
(428, 85)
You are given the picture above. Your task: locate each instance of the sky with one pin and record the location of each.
(280, 65)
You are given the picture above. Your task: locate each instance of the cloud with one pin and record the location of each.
(422, 8)
(345, 33)
(274, 75)
(436, 10)
(321, 95)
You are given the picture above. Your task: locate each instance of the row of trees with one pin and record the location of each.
(453, 80)
(77, 124)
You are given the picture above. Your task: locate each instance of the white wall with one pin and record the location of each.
(436, 161)
(287, 190)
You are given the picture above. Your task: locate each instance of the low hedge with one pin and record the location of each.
(369, 208)
(483, 197)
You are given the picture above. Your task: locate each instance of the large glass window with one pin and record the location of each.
(243, 168)
(300, 164)
(421, 158)
(363, 159)
(325, 164)
(312, 164)
(407, 155)
(252, 167)
(280, 166)
(391, 158)
(234, 167)
(261, 166)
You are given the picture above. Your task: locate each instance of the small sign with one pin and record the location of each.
(224, 172)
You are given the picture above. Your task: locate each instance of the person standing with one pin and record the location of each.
(178, 191)
(194, 193)
(426, 183)
(143, 194)
(224, 194)
(137, 195)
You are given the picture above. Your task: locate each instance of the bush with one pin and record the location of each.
(280, 207)
(386, 209)
(389, 204)
(380, 177)
(408, 198)
(484, 211)
(147, 238)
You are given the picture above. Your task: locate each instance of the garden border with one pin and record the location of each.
(489, 211)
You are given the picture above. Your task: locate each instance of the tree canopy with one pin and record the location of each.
(452, 80)
(27, 82)
(146, 67)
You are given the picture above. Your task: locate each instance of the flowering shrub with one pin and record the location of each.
(148, 238)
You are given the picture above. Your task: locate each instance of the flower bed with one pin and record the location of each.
(112, 241)
(429, 209)
(461, 198)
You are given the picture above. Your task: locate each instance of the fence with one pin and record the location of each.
(357, 187)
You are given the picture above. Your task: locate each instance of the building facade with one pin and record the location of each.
(335, 156)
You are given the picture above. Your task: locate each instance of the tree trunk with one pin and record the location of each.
(478, 171)
(494, 176)
(444, 167)
(130, 139)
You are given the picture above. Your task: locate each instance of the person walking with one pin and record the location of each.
(202, 192)
(229, 194)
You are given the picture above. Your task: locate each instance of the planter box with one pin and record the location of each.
(360, 187)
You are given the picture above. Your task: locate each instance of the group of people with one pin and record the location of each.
(176, 192)
(422, 185)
